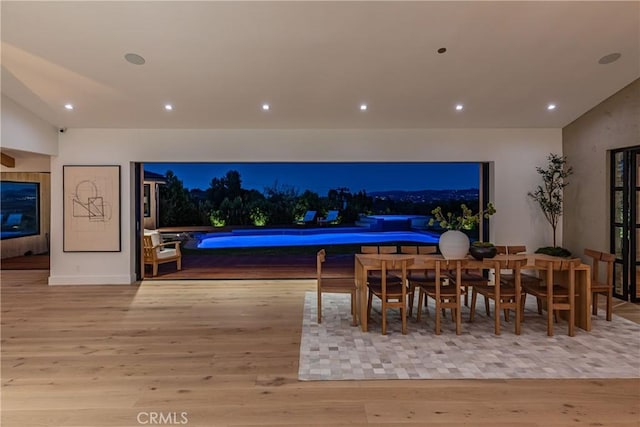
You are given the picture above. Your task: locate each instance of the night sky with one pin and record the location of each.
(321, 177)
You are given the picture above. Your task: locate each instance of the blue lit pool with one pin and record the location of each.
(309, 237)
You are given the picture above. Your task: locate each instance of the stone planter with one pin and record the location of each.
(454, 244)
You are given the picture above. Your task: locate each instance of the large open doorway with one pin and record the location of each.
(625, 221)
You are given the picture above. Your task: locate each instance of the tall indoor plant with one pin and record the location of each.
(549, 195)
(453, 243)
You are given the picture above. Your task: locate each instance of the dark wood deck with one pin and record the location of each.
(253, 267)
(222, 266)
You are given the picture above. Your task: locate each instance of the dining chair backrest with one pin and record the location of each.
(368, 249)
(501, 250)
(409, 250)
(508, 263)
(418, 250)
(387, 249)
(516, 249)
(426, 250)
(558, 264)
(320, 258)
(598, 257)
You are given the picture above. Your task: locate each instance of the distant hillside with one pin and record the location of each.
(426, 195)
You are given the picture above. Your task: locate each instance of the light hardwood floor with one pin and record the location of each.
(225, 354)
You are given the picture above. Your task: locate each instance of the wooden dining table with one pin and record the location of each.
(365, 263)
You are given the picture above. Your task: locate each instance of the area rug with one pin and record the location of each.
(335, 350)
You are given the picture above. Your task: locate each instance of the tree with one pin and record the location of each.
(176, 206)
(549, 195)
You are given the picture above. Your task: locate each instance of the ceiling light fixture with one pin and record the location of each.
(168, 107)
(68, 106)
(551, 107)
(442, 50)
(608, 59)
(459, 107)
(363, 107)
(134, 58)
(266, 107)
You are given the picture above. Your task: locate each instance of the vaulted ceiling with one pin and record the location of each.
(315, 63)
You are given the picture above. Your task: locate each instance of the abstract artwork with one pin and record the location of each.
(91, 208)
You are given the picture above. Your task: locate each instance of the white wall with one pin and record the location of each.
(22, 130)
(515, 153)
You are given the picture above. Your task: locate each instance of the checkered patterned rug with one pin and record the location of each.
(335, 350)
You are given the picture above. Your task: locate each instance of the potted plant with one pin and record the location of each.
(549, 197)
(481, 250)
(453, 243)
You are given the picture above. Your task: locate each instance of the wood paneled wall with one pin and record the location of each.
(36, 244)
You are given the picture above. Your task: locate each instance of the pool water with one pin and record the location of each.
(310, 237)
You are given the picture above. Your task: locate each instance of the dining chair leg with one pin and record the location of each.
(438, 314)
(420, 296)
(594, 302)
(506, 314)
(403, 313)
(354, 321)
(369, 301)
(539, 302)
(319, 307)
(472, 310)
(411, 298)
(487, 308)
(550, 312)
(609, 304)
(496, 320)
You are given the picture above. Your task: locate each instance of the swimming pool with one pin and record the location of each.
(309, 237)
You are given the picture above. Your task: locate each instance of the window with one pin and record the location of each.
(147, 201)
(20, 209)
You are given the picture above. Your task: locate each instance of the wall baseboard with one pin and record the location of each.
(91, 280)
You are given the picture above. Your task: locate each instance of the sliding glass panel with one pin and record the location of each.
(618, 170)
(618, 279)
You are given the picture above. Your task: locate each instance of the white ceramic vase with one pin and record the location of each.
(454, 244)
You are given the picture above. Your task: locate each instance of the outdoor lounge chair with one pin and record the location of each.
(156, 252)
(14, 221)
(332, 216)
(309, 218)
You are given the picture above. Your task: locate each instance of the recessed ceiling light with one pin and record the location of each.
(442, 50)
(266, 107)
(363, 107)
(168, 107)
(608, 59)
(551, 107)
(134, 58)
(68, 106)
(459, 107)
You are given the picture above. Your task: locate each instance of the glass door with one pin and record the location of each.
(625, 221)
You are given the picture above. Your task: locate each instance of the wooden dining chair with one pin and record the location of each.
(555, 296)
(597, 285)
(341, 285)
(531, 279)
(374, 276)
(505, 297)
(418, 276)
(391, 290)
(446, 293)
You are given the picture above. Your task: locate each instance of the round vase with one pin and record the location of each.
(454, 244)
(480, 252)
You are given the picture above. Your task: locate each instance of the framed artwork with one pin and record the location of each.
(91, 208)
